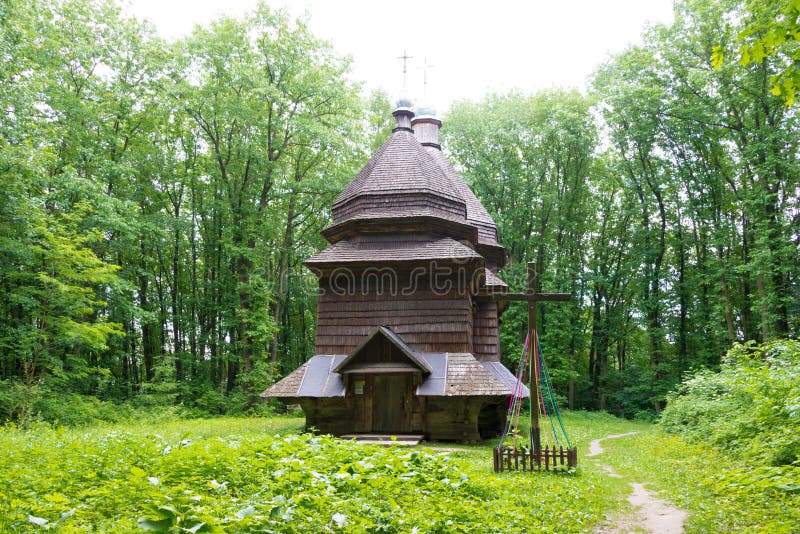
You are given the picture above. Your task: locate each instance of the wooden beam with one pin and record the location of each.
(532, 298)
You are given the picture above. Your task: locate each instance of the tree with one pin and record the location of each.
(772, 32)
(529, 159)
(271, 104)
(169, 193)
(55, 284)
(712, 149)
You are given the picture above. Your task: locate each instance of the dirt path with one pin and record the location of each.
(651, 513)
(595, 449)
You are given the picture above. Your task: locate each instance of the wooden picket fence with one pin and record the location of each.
(523, 459)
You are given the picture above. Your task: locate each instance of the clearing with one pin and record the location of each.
(257, 474)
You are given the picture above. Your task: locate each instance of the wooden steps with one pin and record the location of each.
(406, 440)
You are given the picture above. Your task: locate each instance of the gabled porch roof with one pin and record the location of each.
(354, 362)
(445, 374)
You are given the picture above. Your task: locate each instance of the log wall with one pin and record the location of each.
(327, 415)
(427, 321)
(485, 334)
(438, 418)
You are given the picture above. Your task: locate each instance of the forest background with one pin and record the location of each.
(158, 199)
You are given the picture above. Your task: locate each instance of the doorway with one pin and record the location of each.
(389, 403)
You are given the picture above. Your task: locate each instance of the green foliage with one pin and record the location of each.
(631, 392)
(227, 475)
(772, 33)
(253, 474)
(701, 244)
(24, 407)
(750, 408)
(158, 199)
(721, 493)
(163, 389)
(17, 401)
(529, 159)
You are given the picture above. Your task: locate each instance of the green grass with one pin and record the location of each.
(261, 474)
(721, 494)
(245, 475)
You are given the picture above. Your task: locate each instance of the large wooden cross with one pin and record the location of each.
(532, 297)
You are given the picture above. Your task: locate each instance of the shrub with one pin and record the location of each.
(17, 400)
(750, 408)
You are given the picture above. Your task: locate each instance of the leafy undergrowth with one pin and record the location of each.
(243, 475)
(735, 462)
(749, 409)
(721, 493)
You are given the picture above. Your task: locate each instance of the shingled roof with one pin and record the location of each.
(289, 385)
(414, 362)
(493, 281)
(409, 186)
(476, 213)
(452, 375)
(401, 175)
(315, 378)
(348, 251)
(467, 376)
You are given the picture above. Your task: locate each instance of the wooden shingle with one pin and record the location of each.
(350, 251)
(289, 385)
(400, 166)
(466, 376)
(476, 212)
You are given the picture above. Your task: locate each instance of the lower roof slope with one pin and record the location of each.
(452, 375)
(354, 251)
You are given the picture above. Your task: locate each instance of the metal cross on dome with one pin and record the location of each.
(425, 67)
(405, 57)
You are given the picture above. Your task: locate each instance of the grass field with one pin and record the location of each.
(245, 475)
(720, 494)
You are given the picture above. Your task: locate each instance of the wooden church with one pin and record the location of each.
(407, 321)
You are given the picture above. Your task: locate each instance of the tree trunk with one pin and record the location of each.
(283, 263)
(148, 345)
(177, 346)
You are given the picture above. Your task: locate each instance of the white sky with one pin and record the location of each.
(475, 47)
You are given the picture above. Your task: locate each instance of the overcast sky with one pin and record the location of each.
(475, 47)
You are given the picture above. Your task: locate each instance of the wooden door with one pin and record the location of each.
(389, 403)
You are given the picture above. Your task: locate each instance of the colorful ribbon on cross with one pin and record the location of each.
(544, 396)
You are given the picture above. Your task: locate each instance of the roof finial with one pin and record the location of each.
(403, 111)
(425, 107)
(425, 67)
(405, 57)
